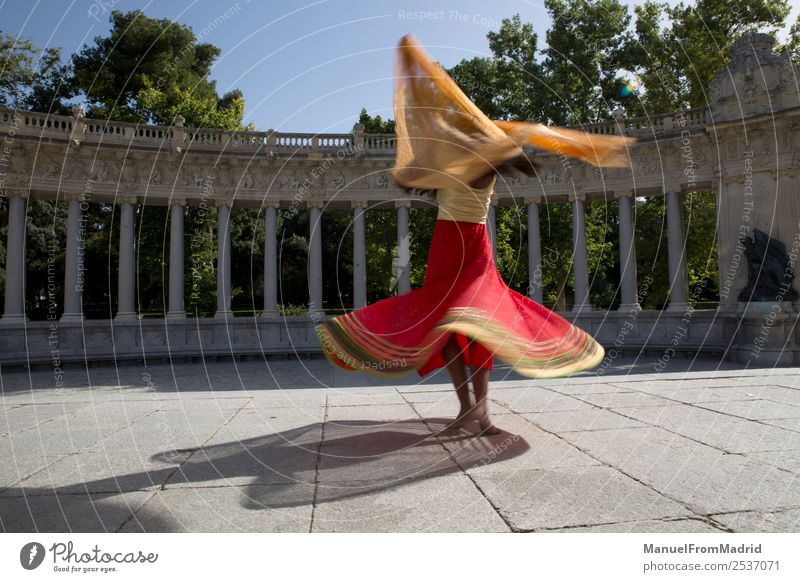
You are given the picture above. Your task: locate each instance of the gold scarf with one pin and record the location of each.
(445, 141)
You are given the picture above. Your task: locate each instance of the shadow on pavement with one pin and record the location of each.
(316, 463)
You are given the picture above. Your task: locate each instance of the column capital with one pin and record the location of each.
(71, 197)
(577, 197)
(127, 200)
(17, 193)
(317, 203)
(177, 202)
(494, 200)
(536, 199)
(402, 203)
(220, 202)
(625, 194)
(272, 203)
(359, 204)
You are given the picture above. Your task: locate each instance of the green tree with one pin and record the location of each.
(381, 239)
(337, 260)
(792, 45)
(33, 79)
(143, 53)
(583, 59)
(651, 252)
(375, 124)
(478, 78)
(681, 48)
(421, 224)
(293, 259)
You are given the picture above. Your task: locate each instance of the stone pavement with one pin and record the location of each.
(284, 446)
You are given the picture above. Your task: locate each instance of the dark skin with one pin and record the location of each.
(457, 368)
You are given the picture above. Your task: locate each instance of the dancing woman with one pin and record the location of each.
(464, 314)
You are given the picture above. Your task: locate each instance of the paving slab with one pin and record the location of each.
(589, 388)
(448, 396)
(554, 498)
(442, 504)
(17, 467)
(687, 525)
(792, 424)
(789, 459)
(624, 400)
(720, 394)
(164, 431)
(700, 477)
(52, 439)
(288, 456)
(254, 508)
(755, 409)
(580, 420)
(446, 409)
(381, 412)
(780, 521)
(521, 445)
(370, 451)
(724, 432)
(777, 378)
(119, 472)
(32, 415)
(536, 399)
(287, 398)
(373, 399)
(654, 385)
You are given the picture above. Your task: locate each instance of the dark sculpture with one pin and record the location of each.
(769, 274)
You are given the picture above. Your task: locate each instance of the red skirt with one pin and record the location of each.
(462, 294)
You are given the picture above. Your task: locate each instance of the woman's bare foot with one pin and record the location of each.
(488, 428)
(464, 417)
(484, 421)
(475, 414)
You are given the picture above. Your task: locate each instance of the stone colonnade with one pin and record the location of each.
(15, 269)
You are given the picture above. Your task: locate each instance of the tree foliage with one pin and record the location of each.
(375, 124)
(142, 53)
(33, 79)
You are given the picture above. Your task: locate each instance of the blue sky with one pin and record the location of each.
(304, 65)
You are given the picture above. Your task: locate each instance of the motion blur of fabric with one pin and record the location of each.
(444, 140)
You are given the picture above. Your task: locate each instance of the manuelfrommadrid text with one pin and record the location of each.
(693, 549)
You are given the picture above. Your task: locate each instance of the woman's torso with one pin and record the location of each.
(464, 204)
(460, 246)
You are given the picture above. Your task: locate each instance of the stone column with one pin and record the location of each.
(223, 259)
(73, 267)
(535, 290)
(359, 254)
(403, 247)
(491, 226)
(727, 300)
(580, 260)
(315, 296)
(627, 252)
(126, 283)
(271, 259)
(678, 274)
(14, 309)
(176, 260)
